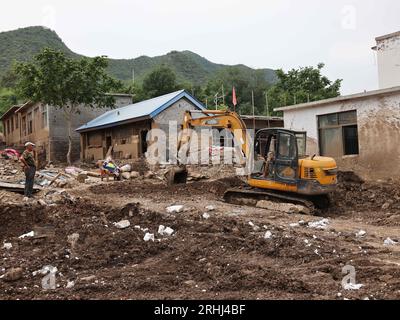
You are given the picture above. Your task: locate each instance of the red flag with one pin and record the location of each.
(234, 100)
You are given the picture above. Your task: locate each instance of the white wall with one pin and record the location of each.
(388, 54)
(378, 130)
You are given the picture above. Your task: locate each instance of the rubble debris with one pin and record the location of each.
(361, 234)
(210, 208)
(7, 246)
(148, 237)
(321, 224)
(149, 175)
(27, 235)
(122, 224)
(352, 286)
(81, 177)
(70, 284)
(13, 187)
(134, 175)
(390, 242)
(13, 274)
(268, 235)
(165, 231)
(126, 168)
(206, 216)
(88, 279)
(255, 228)
(283, 207)
(126, 175)
(175, 209)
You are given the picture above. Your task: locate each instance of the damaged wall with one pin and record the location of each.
(59, 131)
(378, 118)
(126, 141)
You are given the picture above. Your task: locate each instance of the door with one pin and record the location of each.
(286, 161)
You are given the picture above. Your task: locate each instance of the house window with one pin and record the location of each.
(23, 126)
(12, 124)
(44, 116)
(30, 123)
(338, 134)
(16, 122)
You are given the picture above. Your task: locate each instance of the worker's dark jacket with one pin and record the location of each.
(30, 172)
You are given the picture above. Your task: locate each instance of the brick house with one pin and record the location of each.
(46, 126)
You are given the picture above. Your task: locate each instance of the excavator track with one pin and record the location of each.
(251, 196)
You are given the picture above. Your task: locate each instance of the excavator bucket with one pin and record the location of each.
(176, 175)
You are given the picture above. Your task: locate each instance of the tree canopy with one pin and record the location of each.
(66, 83)
(160, 81)
(300, 86)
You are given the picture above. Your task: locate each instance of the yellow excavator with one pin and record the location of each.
(279, 168)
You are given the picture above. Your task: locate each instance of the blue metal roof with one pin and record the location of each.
(147, 109)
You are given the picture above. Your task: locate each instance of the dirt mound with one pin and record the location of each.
(208, 189)
(379, 202)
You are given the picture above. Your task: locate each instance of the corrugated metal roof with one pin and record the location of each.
(139, 111)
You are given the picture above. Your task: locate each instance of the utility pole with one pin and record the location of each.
(133, 76)
(223, 95)
(254, 113)
(266, 103)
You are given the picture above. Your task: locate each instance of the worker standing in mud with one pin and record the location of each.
(29, 166)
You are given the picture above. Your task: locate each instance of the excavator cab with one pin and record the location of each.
(277, 152)
(281, 164)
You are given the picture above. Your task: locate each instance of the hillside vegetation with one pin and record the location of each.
(23, 44)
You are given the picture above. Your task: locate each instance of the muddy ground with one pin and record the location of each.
(223, 257)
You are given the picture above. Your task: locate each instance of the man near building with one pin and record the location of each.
(29, 165)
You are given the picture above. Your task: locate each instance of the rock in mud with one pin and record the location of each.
(135, 175)
(283, 207)
(122, 224)
(13, 274)
(126, 175)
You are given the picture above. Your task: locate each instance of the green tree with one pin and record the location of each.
(300, 86)
(67, 84)
(160, 81)
(245, 82)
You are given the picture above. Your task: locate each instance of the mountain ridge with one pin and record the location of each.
(24, 43)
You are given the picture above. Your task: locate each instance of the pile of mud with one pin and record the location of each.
(377, 199)
(208, 189)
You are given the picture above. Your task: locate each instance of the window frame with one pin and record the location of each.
(340, 126)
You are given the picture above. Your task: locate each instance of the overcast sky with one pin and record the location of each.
(259, 33)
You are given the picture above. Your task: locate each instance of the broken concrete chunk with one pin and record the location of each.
(175, 209)
(255, 228)
(7, 246)
(352, 286)
(148, 237)
(122, 224)
(165, 231)
(361, 233)
(27, 235)
(206, 216)
(88, 279)
(390, 242)
(210, 208)
(126, 175)
(321, 224)
(283, 207)
(126, 168)
(70, 284)
(268, 235)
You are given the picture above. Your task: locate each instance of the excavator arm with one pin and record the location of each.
(217, 120)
